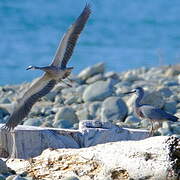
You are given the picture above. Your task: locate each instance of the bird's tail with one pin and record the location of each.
(173, 118)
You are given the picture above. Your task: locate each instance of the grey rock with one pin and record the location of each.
(94, 78)
(50, 96)
(5, 101)
(71, 178)
(170, 107)
(98, 91)
(3, 167)
(63, 124)
(111, 74)
(90, 71)
(131, 76)
(2, 177)
(80, 89)
(47, 110)
(3, 113)
(171, 83)
(154, 99)
(83, 114)
(72, 100)
(132, 119)
(58, 100)
(33, 122)
(15, 177)
(165, 92)
(145, 123)
(113, 109)
(164, 131)
(95, 108)
(66, 113)
(176, 128)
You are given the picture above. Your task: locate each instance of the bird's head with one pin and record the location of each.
(137, 90)
(31, 67)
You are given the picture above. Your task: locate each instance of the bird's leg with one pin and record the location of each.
(71, 80)
(152, 129)
(69, 85)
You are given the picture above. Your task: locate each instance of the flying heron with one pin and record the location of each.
(145, 111)
(55, 72)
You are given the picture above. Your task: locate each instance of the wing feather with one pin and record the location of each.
(68, 42)
(25, 104)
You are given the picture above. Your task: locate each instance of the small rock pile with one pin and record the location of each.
(96, 94)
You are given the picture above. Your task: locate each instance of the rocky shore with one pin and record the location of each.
(97, 94)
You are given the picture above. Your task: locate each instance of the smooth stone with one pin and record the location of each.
(170, 107)
(71, 178)
(171, 72)
(47, 111)
(90, 71)
(95, 108)
(175, 129)
(80, 89)
(130, 76)
(154, 99)
(63, 124)
(5, 101)
(66, 113)
(3, 167)
(2, 177)
(145, 123)
(3, 113)
(111, 74)
(165, 92)
(94, 78)
(132, 119)
(98, 91)
(113, 109)
(15, 177)
(71, 100)
(83, 114)
(171, 83)
(58, 100)
(164, 131)
(33, 122)
(50, 96)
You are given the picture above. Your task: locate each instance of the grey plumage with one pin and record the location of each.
(55, 72)
(145, 111)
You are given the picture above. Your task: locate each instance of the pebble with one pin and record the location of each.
(3, 167)
(132, 119)
(66, 113)
(113, 109)
(97, 91)
(33, 122)
(91, 71)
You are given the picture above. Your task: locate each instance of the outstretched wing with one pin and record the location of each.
(68, 42)
(39, 89)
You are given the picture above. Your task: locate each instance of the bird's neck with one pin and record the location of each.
(138, 100)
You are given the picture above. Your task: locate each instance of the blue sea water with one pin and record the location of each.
(125, 34)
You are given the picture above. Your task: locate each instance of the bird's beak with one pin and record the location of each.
(29, 67)
(130, 92)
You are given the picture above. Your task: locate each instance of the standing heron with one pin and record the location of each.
(145, 111)
(56, 71)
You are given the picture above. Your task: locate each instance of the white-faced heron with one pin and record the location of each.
(55, 72)
(145, 111)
